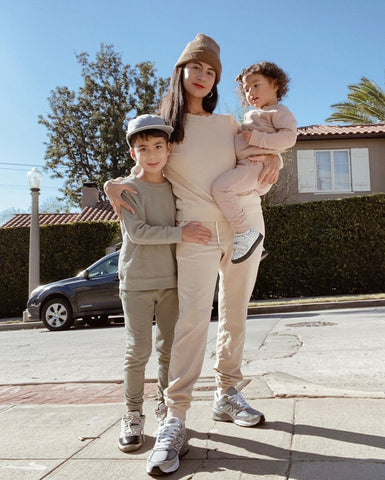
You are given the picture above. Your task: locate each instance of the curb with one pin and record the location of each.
(306, 307)
(18, 324)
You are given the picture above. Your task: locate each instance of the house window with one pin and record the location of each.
(344, 170)
(333, 170)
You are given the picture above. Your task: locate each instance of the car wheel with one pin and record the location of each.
(97, 321)
(57, 314)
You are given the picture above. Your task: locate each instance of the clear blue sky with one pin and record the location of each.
(324, 46)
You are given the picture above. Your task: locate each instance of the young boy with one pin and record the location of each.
(269, 128)
(147, 269)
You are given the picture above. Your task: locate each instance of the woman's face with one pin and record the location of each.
(198, 79)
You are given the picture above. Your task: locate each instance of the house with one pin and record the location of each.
(93, 210)
(331, 161)
(327, 162)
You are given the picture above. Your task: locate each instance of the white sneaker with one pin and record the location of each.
(232, 407)
(131, 431)
(245, 244)
(171, 443)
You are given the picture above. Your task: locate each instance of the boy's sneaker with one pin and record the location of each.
(131, 431)
(232, 407)
(245, 244)
(171, 443)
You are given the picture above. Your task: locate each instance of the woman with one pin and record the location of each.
(203, 148)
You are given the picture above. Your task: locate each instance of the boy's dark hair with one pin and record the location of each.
(269, 70)
(144, 134)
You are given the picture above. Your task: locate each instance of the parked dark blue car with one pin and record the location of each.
(92, 295)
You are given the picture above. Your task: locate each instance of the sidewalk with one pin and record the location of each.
(304, 438)
(313, 431)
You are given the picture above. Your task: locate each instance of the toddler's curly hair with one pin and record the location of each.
(269, 70)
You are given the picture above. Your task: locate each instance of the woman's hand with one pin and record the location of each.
(114, 189)
(270, 172)
(194, 232)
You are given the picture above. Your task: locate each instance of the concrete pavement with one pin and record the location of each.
(318, 377)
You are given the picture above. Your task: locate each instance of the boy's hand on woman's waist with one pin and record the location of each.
(194, 232)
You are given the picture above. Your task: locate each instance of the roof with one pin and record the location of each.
(102, 212)
(341, 131)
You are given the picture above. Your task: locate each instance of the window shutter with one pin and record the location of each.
(360, 169)
(306, 171)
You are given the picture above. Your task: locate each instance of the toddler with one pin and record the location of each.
(268, 128)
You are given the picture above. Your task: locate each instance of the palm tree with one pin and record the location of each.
(365, 105)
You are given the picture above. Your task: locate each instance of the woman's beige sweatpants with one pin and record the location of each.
(198, 267)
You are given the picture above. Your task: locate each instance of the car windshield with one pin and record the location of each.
(106, 267)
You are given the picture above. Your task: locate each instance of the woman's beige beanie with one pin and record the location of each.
(204, 49)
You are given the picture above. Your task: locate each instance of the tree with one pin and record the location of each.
(7, 214)
(365, 105)
(53, 205)
(86, 130)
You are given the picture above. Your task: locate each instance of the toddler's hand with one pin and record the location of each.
(246, 132)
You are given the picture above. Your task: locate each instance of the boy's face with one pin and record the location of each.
(151, 153)
(259, 90)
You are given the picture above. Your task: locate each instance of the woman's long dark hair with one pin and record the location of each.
(173, 107)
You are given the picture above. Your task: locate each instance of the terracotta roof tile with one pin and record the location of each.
(102, 212)
(342, 130)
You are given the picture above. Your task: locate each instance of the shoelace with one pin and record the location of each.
(241, 245)
(131, 422)
(166, 435)
(239, 400)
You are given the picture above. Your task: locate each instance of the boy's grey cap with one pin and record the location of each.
(147, 122)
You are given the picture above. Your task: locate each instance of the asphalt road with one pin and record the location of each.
(333, 348)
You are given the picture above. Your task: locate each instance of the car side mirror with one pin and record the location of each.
(85, 274)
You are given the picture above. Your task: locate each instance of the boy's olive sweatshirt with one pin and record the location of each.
(147, 258)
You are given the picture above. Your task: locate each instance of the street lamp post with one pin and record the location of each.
(34, 178)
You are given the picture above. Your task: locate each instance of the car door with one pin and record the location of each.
(100, 294)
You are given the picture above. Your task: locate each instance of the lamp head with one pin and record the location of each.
(35, 178)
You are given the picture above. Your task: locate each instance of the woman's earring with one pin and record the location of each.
(210, 95)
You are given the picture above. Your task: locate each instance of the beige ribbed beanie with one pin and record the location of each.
(204, 49)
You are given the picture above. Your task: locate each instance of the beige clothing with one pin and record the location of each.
(274, 130)
(206, 152)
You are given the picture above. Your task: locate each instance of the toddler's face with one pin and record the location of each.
(259, 90)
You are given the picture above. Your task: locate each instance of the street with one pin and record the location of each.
(332, 348)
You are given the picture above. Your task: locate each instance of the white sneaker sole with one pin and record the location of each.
(250, 251)
(161, 470)
(225, 417)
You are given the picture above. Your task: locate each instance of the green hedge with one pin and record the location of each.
(332, 247)
(65, 250)
(324, 248)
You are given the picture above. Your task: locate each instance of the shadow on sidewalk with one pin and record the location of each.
(281, 459)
